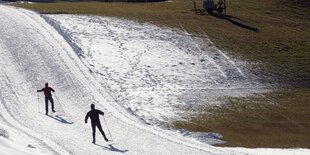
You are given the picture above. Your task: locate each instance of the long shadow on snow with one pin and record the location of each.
(60, 119)
(112, 148)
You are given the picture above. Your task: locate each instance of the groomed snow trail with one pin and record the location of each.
(31, 53)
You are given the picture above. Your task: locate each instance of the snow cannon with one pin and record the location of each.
(208, 5)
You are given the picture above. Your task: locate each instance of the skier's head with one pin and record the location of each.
(92, 106)
(46, 84)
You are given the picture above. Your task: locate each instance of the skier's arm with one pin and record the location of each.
(86, 117)
(40, 90)
(52, 90)
(100, 112)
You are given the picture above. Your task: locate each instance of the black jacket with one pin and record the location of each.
(94, 116)
(47, 91)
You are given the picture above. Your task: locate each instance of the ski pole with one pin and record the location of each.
(38, 103)
(59, 104)
(107, 128)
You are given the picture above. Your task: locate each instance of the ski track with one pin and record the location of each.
(32, 53)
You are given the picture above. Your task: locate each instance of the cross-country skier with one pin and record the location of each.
(95, 121)
(48, 96)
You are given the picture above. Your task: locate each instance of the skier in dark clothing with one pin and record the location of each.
(48, 96)
(95, 121)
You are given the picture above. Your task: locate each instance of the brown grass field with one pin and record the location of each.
(274, 33)
(277, 119)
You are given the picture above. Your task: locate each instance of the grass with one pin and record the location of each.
(274, 33)
(277, 119)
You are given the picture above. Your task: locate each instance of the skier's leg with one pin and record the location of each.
(52, 102)
(102, 132)
(46, 105)
(93, 126)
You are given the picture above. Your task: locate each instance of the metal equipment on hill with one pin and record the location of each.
(221, 6)
(209, 6)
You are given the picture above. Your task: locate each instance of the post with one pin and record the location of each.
(195, 7)
(225, 6)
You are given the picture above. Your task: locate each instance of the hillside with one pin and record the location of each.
(270, 35)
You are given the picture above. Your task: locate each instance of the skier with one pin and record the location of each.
(95, 121)
(48, 96)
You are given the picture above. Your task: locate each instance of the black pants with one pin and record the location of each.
(93, 125)
(46, 104)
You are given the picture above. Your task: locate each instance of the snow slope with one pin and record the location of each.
(149, 69)
(32, 52)
(8, 148)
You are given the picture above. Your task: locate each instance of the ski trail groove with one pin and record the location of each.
(209, 58)
(222, 53)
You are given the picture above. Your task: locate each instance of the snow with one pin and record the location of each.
(33, 52)
(148, 69)
(8, 148)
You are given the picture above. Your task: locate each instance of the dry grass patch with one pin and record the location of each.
(277, 119)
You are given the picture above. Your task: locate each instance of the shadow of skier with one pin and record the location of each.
(112, 148)
(60, 119)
